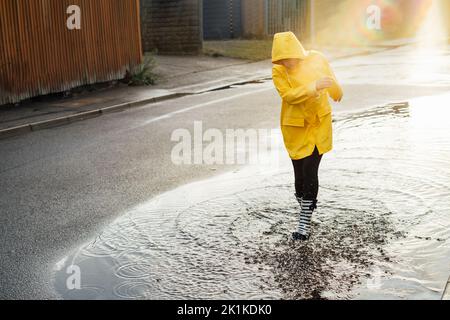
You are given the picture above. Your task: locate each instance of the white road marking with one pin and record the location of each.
(202, 105)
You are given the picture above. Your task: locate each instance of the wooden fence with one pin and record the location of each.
(40, 55)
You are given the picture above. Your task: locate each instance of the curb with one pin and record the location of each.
(56, 122)
(46, 124)
(227, 85)
(446, 292)
(60, 121)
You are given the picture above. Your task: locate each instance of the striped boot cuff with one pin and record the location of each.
(307, 209)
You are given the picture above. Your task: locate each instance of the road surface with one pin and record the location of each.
(63, 186)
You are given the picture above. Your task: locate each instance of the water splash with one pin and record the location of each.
(384, 204)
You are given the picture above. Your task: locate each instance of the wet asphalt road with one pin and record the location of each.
(61, 186)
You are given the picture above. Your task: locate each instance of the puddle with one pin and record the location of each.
(381, 230)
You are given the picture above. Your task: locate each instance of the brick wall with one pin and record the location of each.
(172, 26)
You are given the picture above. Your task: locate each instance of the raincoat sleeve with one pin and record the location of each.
(295, 95)
(335, 91)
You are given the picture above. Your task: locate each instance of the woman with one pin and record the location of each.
(304, 81)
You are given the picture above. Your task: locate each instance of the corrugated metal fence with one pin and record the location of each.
(40, 55)
(221, 19)
(263, 18)
(283, 15)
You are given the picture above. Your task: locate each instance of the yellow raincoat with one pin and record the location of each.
(305, 113)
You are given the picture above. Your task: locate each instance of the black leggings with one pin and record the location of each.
(306, 176)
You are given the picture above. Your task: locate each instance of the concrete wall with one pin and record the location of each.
(172, 26)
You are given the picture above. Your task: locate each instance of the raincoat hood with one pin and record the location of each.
(287, 46)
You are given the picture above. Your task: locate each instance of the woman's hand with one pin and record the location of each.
(324, 83)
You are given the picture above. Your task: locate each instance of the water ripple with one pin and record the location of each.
(381, 230)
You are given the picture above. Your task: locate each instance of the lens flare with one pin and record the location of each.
(426, 57)
(349, 23)
(433, 29)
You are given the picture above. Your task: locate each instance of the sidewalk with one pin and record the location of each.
(184, 75)
(180, 76)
